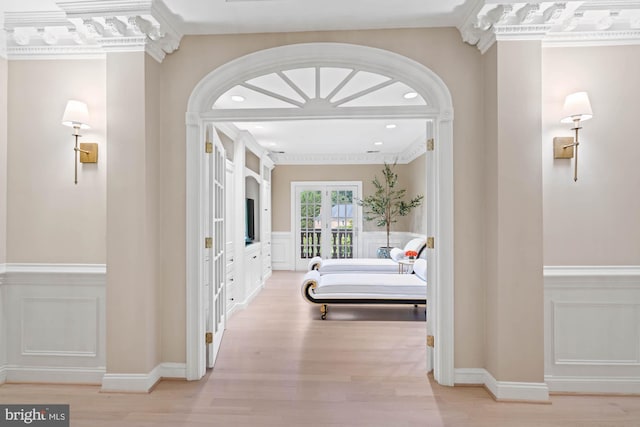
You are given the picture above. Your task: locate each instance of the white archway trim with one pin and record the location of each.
(439, 111)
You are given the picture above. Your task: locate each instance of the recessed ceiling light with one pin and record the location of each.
(271, 144)
(410, 95)
(390, 126)
(377, 143)
(258, 126)
(237, 98)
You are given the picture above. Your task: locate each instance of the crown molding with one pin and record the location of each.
(562, 23)
(93, 28)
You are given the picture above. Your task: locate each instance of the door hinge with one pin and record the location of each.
(208, 242)
(208, 337)
(208, 147)
(430, 341)
(431, 242)
(430, 144)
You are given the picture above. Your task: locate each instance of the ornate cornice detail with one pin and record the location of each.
(93, 27)
(562, 22)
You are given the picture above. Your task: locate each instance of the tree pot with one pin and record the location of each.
(384, 252)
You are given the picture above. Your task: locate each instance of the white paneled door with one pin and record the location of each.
(214, 261)
(327, 221)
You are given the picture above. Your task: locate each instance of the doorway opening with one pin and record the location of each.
(310, 60)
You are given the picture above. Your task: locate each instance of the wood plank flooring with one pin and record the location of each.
(280, 365)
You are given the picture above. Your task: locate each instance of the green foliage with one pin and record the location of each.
(387, 203)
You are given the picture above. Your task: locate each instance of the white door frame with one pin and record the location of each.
(439, 111)
(357, 220)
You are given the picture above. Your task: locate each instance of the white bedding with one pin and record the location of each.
(354, 265)
(383, 286)
(365, 265)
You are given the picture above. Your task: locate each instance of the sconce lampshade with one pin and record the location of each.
(76, 115)
(577, 107)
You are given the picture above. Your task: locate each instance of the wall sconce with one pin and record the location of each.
(577, 108)
(76, 115)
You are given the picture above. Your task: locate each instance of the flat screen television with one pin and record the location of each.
(250, 224)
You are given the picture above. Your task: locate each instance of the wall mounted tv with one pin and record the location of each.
(250, 224)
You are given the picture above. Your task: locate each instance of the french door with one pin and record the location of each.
(214, 254)
(327, 220)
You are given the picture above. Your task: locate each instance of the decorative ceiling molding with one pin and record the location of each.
(554, 23)
(93, 28)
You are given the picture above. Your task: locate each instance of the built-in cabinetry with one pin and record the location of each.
(230, 224)
(248, 254)
(266, 222)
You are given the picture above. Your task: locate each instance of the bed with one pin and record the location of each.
(367, 265)
(366, 288)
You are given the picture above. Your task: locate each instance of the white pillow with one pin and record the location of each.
(414, 245)
(396, 254)
(420, 269)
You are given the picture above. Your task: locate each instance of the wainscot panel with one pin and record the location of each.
(592, 329)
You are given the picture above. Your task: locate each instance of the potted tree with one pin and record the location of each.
(387, 204)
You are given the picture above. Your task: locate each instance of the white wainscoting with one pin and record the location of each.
(283, 242)
(55, 323)
(592, 329)
(282, 257)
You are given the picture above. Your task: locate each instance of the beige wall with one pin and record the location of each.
(594, 221)
(133, 91)
(442, 50)
(416, 173)
(49, 219)
(284, 175)
(489, 256)
(3, 160)
(514, 252)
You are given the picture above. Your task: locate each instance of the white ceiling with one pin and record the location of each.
(252, 16)
(328, 137)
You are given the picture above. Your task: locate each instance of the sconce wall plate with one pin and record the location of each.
(89, 152)
(560, 149)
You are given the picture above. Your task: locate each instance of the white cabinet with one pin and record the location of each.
(266, 223)
(252, 272)
(248, 260)
(230, 223)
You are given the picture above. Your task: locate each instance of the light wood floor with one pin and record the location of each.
(281, 366)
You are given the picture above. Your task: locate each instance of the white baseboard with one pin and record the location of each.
(142, 383)
(594, 385)
(173, 370)
(244, 304)
(503, 390)
(508, 390)
(59, 375)
(469, 376)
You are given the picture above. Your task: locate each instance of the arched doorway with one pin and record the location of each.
(437, 109)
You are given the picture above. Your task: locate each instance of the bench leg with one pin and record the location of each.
(323, 311)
